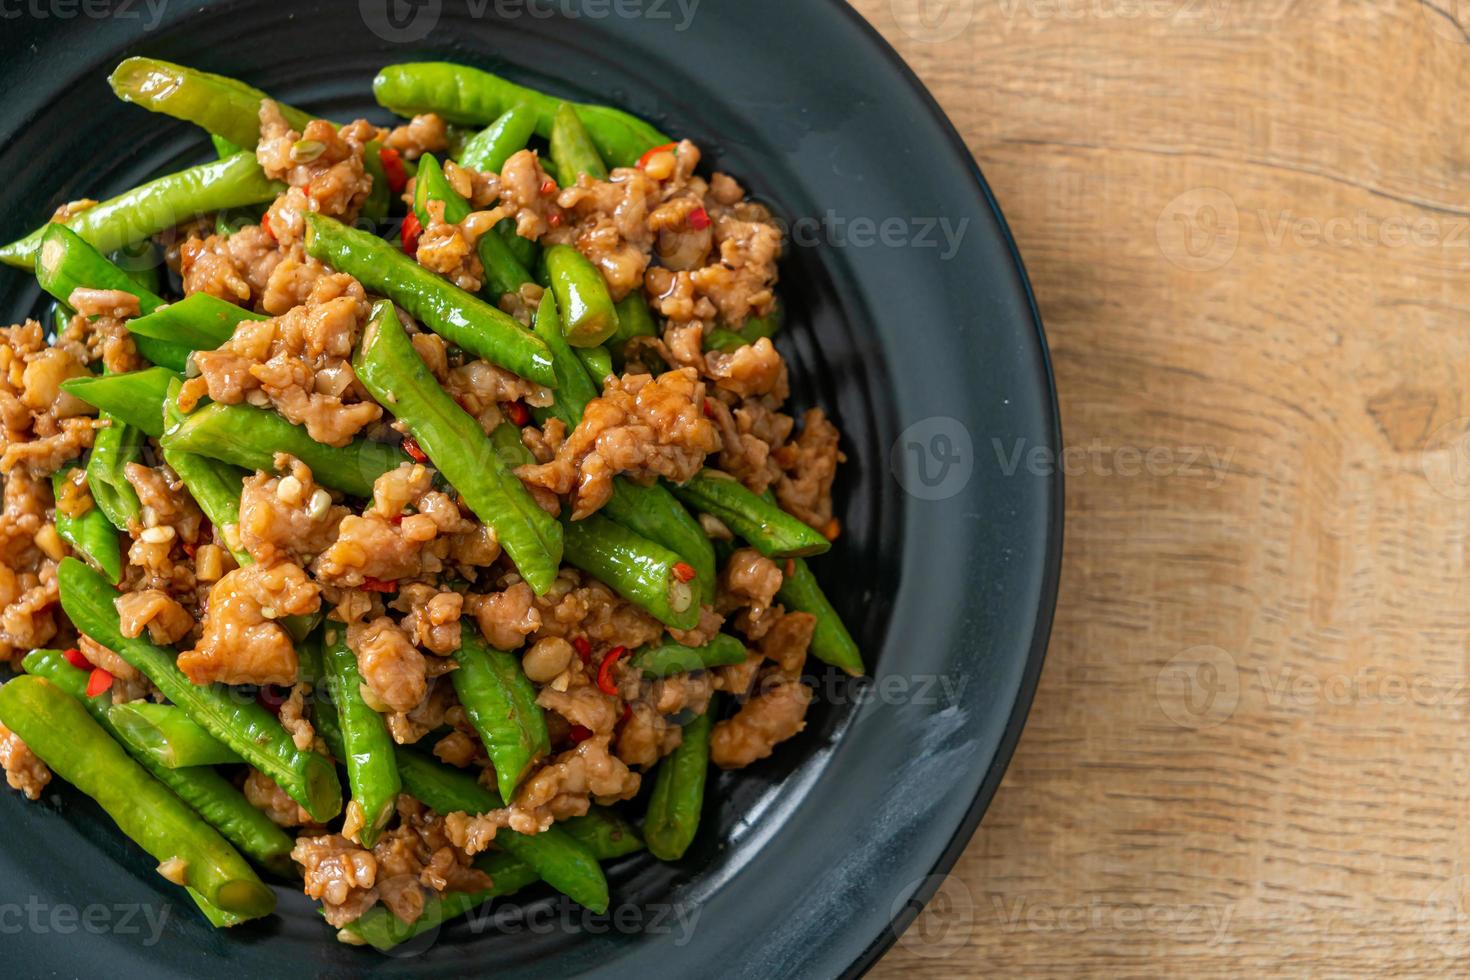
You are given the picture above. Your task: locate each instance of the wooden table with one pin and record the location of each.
(1248, 227)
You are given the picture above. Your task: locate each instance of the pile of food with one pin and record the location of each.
(458, 467)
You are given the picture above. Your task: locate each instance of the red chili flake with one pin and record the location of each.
(409, 233)
(99, 682)
(517, 412)
(579, 733)
(627, 712)
(699, 219)
(393, 169)
(396, 519)
(583, 648)
(265, 226)
(554, 220)
(190, 549)
(75, 658)
(548, 187)
(832, 529)
(709, 410)
(415, 452)
(378, 585)
(649, 154)
(683, 571)
(604, 670)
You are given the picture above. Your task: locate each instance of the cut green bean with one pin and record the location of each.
(588, 316)
(602, 832)
(250, 437)
(678, 792)
(169, 736)
(501, 704)
(503, 273)
(212, 796)
(247, 727)
(597, 362)
(135, 397)
(651, 511)
(487, 150)
(217, 104)
(667, 658)
(199, 322)
(380, 198)
(468, 96)
(372, 772)
(559, 858)
(389, 367)
(115, 446)
(635, 319)
(768, 528)
(639, 570)
(572, 148)
(66, 738)
(222, 147)
(142, 264)
(90, 534)
(831, 642)
(730, 339)
(158, 205)
(459, 317)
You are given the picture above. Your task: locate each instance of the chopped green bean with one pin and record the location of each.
(503, 273)
(90, 534)
(768, 528)
(487, 150)
(639, 570)
(678, 792)
(501, 704)
(135, 397)
(572, 148)
(588, 316)
(372, 772)
(669, 657)
(199, 322)
(170, 736)
(221, 106)
(831, 642)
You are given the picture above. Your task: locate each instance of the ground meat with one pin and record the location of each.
(709, 624)
(388, 544)
(100, 656)
(294, 718)
(242, 641)
(289, 517)
(167, 622)
(646, 736)
(458, 749)
(506, 618)
(565, 786)
(339, 874)
(270, 799)
(755, 369)
(432, 616)
(582, 702)
(297, 362)
(422, 134)
(28, 593)
(391, 665)
(770, 717)
(526, 190)
(481, 387)
(322, 164)
(640, 426)
(24, 770)
(436, 709)
(748, 436)
(450, 249)
(747, 587)
(574, 607)
(44, 426)
(237, 268)
(809, 465)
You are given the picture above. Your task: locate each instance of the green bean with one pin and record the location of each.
(221, 106)
(602, 832)
(158, 205)
(635, 319)
(831, 642)
(65, 737)
(596, 361)
(564, 862)
(669, 657)
(487, 150)
(135, 397)
(768, 528)
(639, 570)
(678, 792)
(503, 274)
(250, 437)
(380, 198)
(90, 534)
(324, 716)
(730, 339)
(472, 97)
(212, 796)
(372, 773)
(464, 320)
(170, 736)
(501, 704)
(246, 727)
(214, 485)
(391, 370)
(526, 251)
(651, 511)
(65, 262)
(223, 147)
(141, 263)
(216, 917)
(572, 148)
(587, 312)
(199, 322)
(726, 341)
(115, 446)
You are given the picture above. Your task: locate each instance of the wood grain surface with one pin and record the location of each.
(1248, 227)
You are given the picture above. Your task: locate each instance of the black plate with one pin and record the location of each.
(927, 350)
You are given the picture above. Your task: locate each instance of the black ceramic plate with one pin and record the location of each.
(911, 322)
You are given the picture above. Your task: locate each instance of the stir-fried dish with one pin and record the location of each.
(409, 512)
